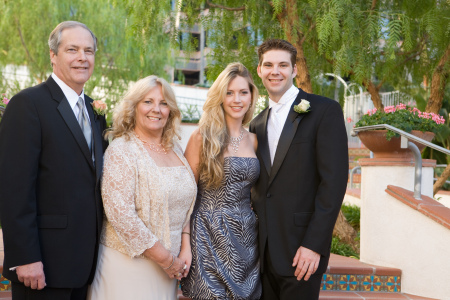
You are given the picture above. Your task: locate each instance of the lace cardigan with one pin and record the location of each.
(134, 198)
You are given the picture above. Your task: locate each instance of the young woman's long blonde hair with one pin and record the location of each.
(212, 125)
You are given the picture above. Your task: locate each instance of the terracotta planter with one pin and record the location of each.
(375, 141)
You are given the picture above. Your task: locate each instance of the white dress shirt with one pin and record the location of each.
(278, 115)
(71, 96)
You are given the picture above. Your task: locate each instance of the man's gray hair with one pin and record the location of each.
(54, 39)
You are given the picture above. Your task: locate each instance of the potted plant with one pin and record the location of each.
(386, 143)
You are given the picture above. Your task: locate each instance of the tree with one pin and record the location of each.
(378, 43)
(123, 54)
(375, 43)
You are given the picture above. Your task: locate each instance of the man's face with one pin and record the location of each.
(277, 72)
(74, 62)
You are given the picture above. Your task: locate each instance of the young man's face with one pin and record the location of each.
(277, 72)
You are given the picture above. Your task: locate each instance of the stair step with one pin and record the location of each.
(342, 295)
(349, 274)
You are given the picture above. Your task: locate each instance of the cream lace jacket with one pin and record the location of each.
(144, 203)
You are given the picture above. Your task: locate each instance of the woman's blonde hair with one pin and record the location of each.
(124, 117)
(212, 125)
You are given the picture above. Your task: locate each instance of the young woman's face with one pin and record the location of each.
(238, 98)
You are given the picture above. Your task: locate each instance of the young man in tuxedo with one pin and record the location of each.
(304, 170)
(51, 160)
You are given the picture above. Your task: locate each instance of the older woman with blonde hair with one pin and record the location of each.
(148, 190)
(225, 262)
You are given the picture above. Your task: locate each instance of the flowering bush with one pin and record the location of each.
(404, 118)
(4, 101)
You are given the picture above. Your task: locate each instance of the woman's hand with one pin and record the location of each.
(186, 256)
(172, 265)
(176, 269)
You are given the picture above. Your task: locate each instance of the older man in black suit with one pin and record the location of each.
(304, 168)
(51, 159)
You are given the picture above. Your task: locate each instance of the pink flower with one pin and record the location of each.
(5, 100)
(400, 106)
(99, 104)
(99, 107)
(371, 111)
(349, 120)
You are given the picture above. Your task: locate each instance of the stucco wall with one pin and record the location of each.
(396, 235)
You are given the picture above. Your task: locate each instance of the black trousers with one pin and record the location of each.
(21, 292)
(276, 287)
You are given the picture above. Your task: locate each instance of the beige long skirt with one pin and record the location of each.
(120, 277)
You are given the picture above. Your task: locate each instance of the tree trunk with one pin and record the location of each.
(441, 180)
(345, 232)
(374, 94)
(438, 82)
(303, 79)
(286, 19)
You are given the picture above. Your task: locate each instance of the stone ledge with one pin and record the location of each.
(406, 162)
(427, 206)
(335, 295)
(351, 266)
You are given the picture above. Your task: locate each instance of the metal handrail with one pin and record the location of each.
(405, 143)
(352, 172)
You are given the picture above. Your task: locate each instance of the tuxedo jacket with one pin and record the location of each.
(298, 198)
(50, 202)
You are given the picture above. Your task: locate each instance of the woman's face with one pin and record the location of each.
(152, 112)
(238, 98)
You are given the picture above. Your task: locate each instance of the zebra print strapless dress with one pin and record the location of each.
(224, 237)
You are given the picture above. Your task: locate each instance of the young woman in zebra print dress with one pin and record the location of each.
(221, 153)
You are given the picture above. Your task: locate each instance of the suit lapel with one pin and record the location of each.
(261, 135)
(96, 137)
(287, 134)
(69, 117)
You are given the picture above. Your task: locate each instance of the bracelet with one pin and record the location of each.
(173, 259)
(184, 232)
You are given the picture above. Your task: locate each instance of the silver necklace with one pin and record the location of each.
(236, 141)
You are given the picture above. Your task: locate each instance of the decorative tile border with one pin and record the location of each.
(5, 284)
(362, 283)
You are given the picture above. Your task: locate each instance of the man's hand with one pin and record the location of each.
(307, 262)
(32, 275)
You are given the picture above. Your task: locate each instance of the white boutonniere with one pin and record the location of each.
(99, 107)
(303, 107)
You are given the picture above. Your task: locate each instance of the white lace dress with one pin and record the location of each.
(143, 204)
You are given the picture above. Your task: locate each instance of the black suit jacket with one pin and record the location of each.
(50, 202)
(298, 199)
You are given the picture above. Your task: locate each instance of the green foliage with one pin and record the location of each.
(403, 118)
(340, 248)
(442, 137)
(124, 53)
(353, 215)
(190, 113)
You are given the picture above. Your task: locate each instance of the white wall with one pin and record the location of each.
(395, 235)
(186, 131)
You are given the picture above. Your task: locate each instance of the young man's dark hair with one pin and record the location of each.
(277, 44)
